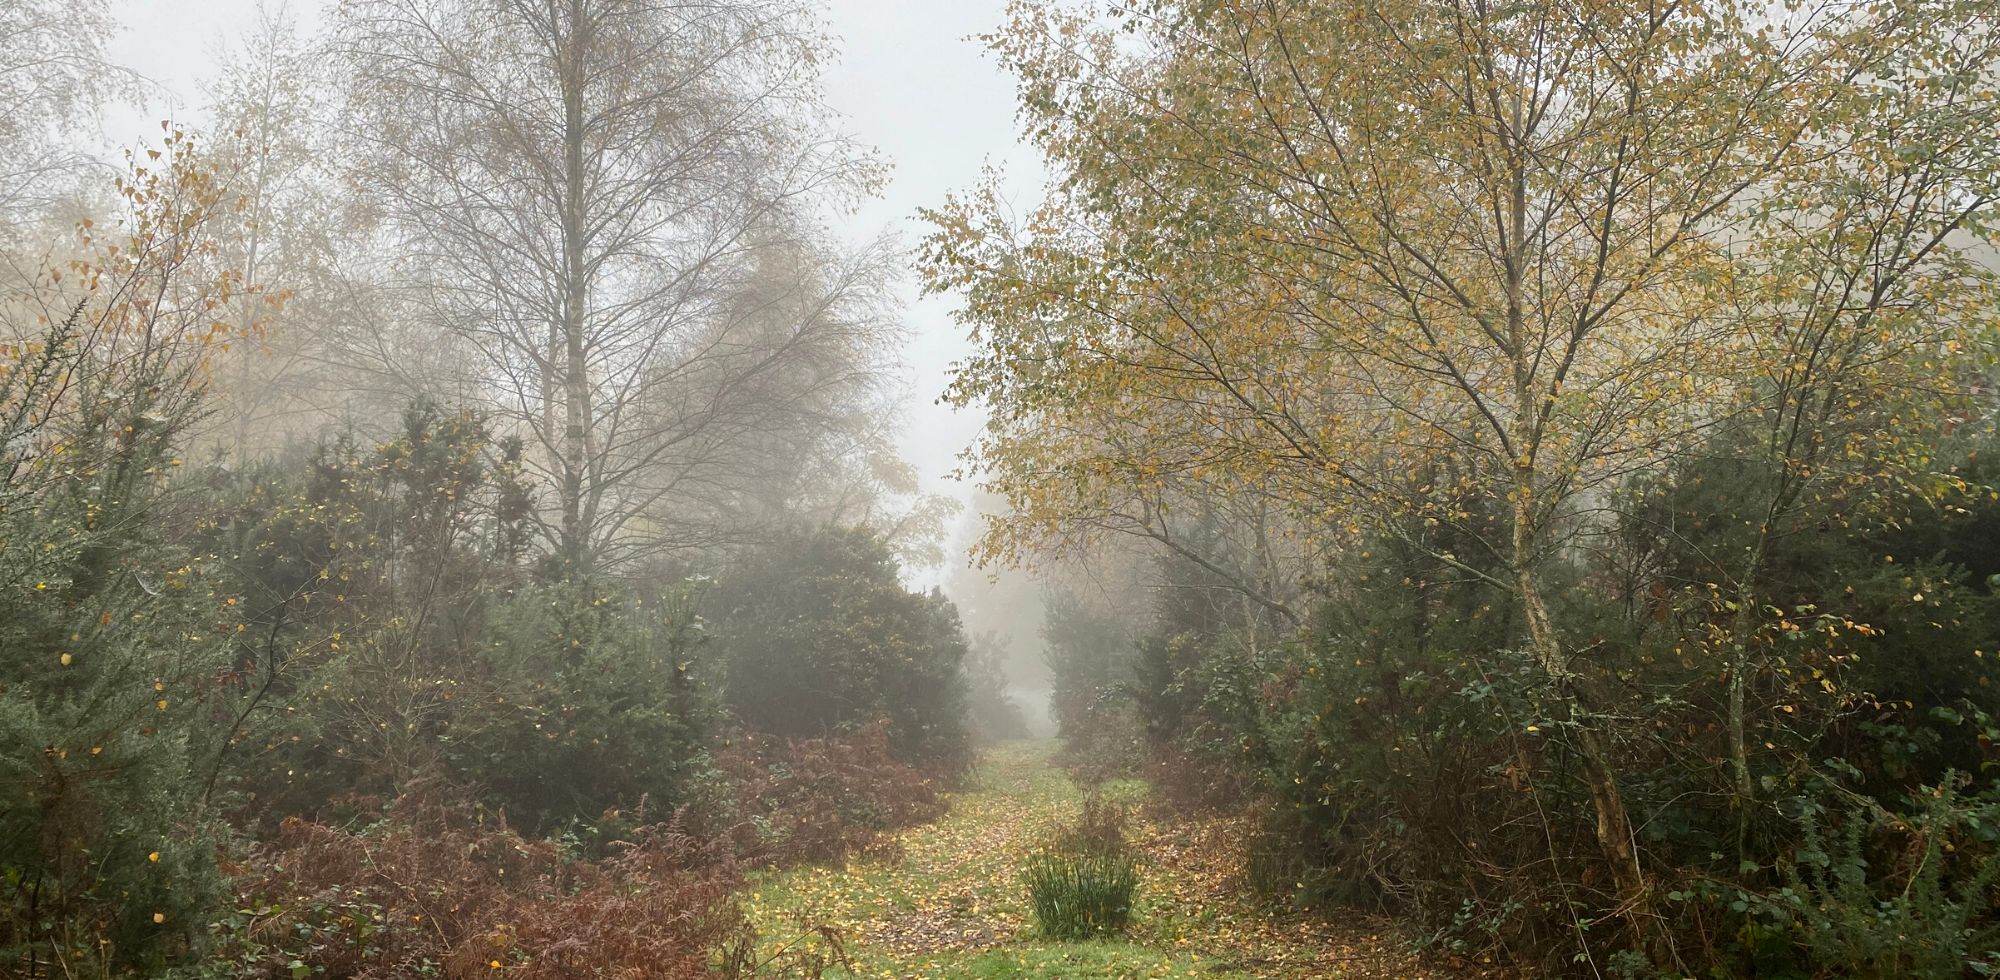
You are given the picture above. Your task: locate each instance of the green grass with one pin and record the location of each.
(949, 901)
(1080, 896)
(1086, 961)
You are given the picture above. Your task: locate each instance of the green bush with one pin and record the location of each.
(586, 700)
(113, 645)
(367, 574)
(819, 637)
(991, 713)
(1873, 894)
(1090, 669)
(400, 636)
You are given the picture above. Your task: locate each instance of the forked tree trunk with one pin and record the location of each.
(1613, 827)
(1615, 838)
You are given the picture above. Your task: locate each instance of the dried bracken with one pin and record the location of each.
(435, 886)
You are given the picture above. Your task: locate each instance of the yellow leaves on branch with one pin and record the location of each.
(1316, 248)
(162, 290)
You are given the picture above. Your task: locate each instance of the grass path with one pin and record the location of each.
(942, 900)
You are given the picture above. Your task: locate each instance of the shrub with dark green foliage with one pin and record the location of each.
(1872, 893)
(1091, 656)
(1374, 738)
(991, 713)
(818, 636)
(322, 649)
(114, 646)
(367, 575)
(403, 639)
(585, 700)
(1404, 757)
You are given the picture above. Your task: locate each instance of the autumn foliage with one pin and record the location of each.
(333, 712)
(822, 799)
(435, 884)
(1561, 417)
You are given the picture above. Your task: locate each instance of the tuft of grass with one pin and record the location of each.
(1082, 886)
(1080, 895)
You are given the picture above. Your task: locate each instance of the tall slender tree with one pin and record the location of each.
(591, 191)
(54, 77)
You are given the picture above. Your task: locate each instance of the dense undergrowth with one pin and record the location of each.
(1402, 756)
(333, 715)
(1556, 441)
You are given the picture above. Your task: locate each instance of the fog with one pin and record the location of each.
(909, 80)
(677, 489)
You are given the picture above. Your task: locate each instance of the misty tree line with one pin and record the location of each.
(609, 235)
(469, 448)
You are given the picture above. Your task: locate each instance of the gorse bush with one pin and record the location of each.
(368, 574)
(1405, 758)
(1870, 894)
(115, 652)
(1082, 884)
(398, 637)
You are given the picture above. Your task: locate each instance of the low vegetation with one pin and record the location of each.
(335, 717)
(947, 899)
(432, 889)
(1080, 895)
(1082, 884)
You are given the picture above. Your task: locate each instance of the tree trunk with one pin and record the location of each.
(1614, 832)
(1741, 626)
(576, 296)
(1615, 837)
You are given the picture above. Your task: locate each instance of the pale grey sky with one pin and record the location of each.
(913, 82)
(910, 81)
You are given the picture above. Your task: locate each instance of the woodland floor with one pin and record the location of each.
(942, 901)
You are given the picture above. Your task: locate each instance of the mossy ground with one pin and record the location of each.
(943, 901)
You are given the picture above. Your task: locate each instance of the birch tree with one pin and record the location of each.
(607, 198)
(53, 78)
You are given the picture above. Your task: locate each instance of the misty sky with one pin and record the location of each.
(910, 81)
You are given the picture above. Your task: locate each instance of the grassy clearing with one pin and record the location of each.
(944, 900)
